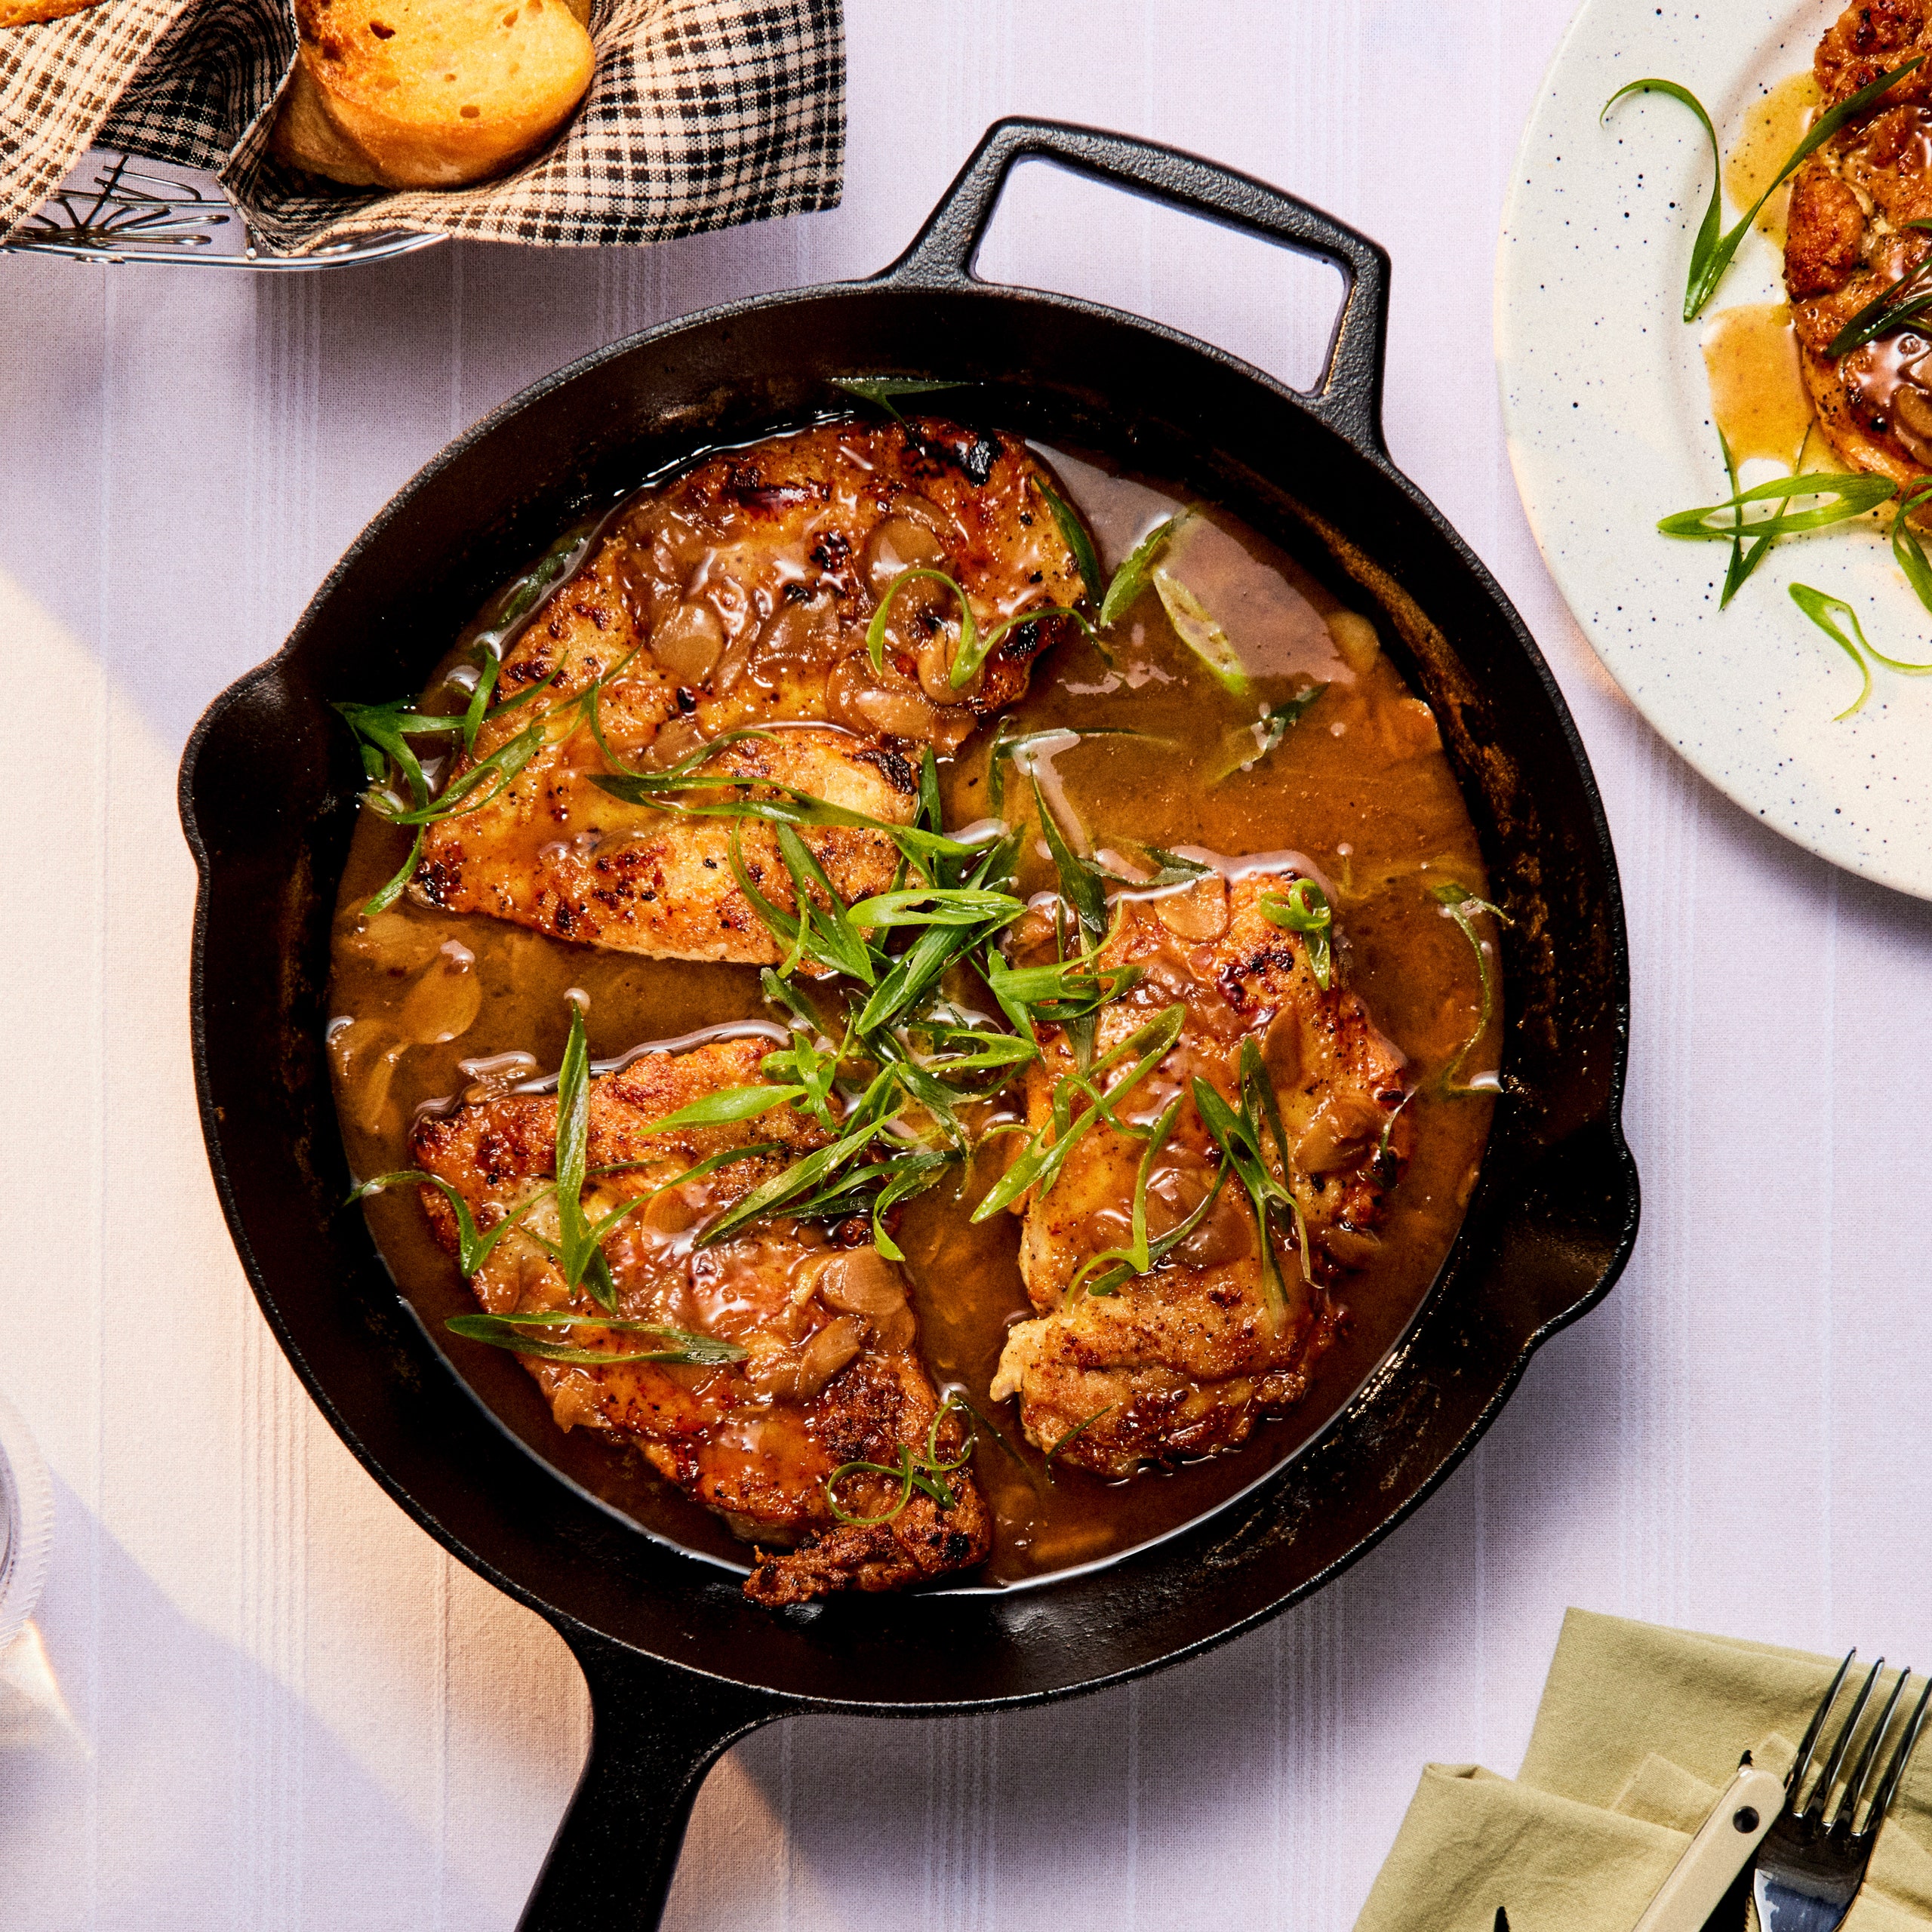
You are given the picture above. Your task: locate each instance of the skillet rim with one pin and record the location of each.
(1370, 447)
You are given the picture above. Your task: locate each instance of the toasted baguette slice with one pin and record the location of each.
(305, 137)
(429, 93)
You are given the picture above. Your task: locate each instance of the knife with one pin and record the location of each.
(1721, 1851)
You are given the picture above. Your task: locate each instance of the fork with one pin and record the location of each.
(1809, 1870)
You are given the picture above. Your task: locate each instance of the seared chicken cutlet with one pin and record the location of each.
(1849, 237)
(830, 1373)
(739, 598)
(1185, 1359)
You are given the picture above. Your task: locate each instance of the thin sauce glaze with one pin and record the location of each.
(1758, 401)
(1773, 127)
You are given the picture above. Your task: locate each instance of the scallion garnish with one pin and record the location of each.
(1019, 751)
(1078, 872)
(921, 1469)
(975, 646)
(1170, 868)
(1832, 615)
(515, 608)
(811, 1062)
(1711, 253)
(933, 906)
(1908, 551)
(514, 1332)
(1903, 667)
(885, 391)
(871, 1181)
(520, 600)
(905, 981)
(473, 1248)
(1196, 627)
(382, 731)
(726, 1106)
(1073, 534)
(641, 787)
(1238, 1132)
(1241, 750)
(1142, 1256)
(1900, 302)
(800, 1179)
(1841, 498)
(1040, 1163)
(1839, 622)
(1462, 906)
(1012, 1454)
(777, 803)
(456, 801)
(1304, 908)
(821, 930)
(1070, 989)
(1131, 578)
(382, 734)
(1085, 896)
(1742, 561)
(984, 1050)
(581, 1251)
(925, 1087)
(1078, 1429)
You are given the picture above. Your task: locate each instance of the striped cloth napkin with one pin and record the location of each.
(703, 114)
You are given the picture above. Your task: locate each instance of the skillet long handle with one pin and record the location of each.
(655, 1731)
(1349, 397)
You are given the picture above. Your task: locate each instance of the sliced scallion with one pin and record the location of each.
(1196, 627)
(1712, 251)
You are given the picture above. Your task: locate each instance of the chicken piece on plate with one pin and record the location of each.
(1184, 1360)
(1849, 238)
(738, 597)
(830, 1373)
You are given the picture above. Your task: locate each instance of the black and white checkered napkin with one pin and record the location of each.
(703, 114)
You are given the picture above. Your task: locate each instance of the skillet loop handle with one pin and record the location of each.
(655, 1731)
(1349, 397)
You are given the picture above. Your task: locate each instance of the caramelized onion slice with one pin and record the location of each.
(1340, 1135)
(900, 544)
(855, 700)
(797, 1376)
(827, 1352)
(687, 643)
(860, 1281)
(445, 1000)
(1912, 419)
(1197, 912)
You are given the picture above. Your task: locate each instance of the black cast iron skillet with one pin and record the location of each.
(678, 1664)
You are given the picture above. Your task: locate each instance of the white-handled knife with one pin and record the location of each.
(1725, 1844)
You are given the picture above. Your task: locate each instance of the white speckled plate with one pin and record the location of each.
(1608, 412)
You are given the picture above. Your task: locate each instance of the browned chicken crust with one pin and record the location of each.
(1848, 238)
(831, 1374)
(1184, 1360)
(739, 597)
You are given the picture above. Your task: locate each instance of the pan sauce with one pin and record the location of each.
(428, 1006)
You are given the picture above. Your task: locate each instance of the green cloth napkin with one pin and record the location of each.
(1638, 1731)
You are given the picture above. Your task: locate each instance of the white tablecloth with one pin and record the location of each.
(288, 1707)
